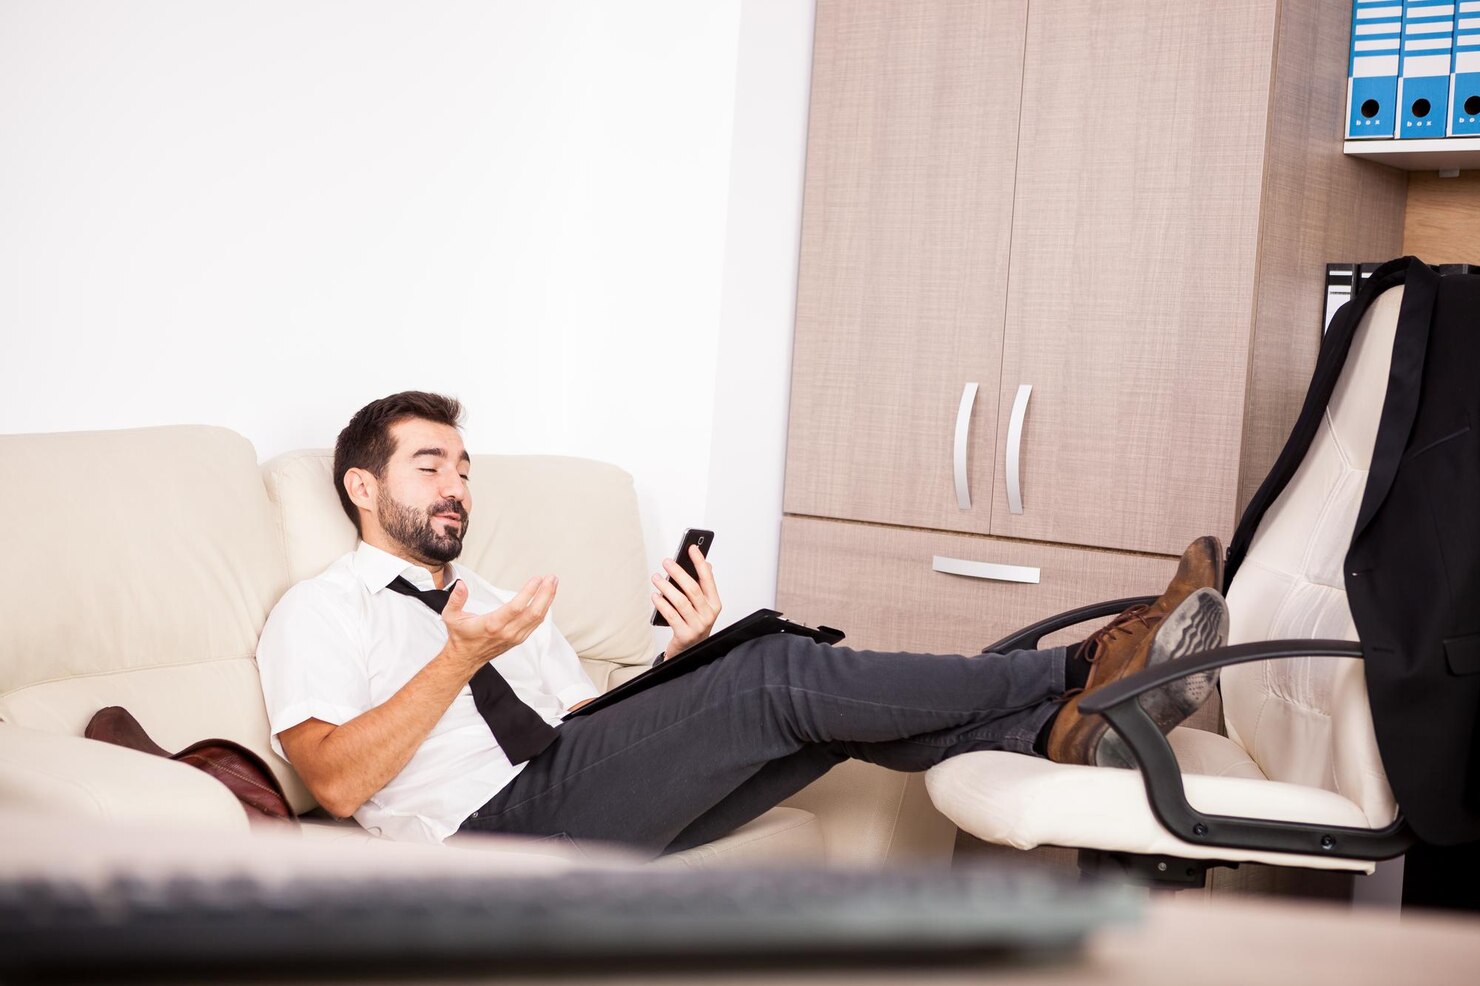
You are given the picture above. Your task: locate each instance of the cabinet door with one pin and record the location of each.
(1133, 269)
(879, 586)
(905, 230)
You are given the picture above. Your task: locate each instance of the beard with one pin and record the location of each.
(413, 530)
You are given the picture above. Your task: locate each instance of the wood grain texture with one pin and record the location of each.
(1318, 207)
(1133, 255)
(876, 584)
(1442, 224)
(906, 218)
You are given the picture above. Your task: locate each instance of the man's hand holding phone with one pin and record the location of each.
(687, 598)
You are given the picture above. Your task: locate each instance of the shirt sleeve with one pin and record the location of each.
(561, 668)
(310, 663)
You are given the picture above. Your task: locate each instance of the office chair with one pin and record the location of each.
(1297, 781)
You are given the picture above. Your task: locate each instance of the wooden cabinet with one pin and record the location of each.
(879, 584)
(1129, 304)
(1126, 206)
(908, 209)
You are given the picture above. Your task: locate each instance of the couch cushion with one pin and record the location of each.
(1027, 802)
(531, 515)
(781, 835)
(151, 559)
(76, 778)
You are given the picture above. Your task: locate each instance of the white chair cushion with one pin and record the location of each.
(1027, 802)
(531, 515)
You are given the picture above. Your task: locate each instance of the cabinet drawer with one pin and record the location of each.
(878, 585)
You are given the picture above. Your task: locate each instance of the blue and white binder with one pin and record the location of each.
(1423, 73)
(1372, 74)
(1464, 82)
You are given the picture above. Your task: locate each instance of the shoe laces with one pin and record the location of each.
(1136, 618)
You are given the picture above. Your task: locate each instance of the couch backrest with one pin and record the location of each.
(531, 515)
(1307, 720)
(141, 566)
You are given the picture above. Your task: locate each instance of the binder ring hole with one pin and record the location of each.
(1370, 108)
(1421, 108)
(1472, 105)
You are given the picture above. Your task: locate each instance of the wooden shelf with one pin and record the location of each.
(1446, 154)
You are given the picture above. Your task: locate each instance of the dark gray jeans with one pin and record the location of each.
(685, 762)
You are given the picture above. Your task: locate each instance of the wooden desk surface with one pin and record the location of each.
(1189, 942)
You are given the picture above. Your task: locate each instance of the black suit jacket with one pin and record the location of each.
(1413, 568)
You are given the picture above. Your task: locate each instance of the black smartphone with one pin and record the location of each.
(691, 538)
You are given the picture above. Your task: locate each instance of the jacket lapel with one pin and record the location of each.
(1405, 382)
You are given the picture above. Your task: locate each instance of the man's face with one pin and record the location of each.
(424, 501)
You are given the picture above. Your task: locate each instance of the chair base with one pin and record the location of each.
(1155, 871)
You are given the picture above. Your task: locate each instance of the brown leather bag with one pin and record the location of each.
(241, 770)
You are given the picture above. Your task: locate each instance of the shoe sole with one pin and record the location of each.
(1199, 624)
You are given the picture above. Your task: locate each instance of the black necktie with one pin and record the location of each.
(518, 729)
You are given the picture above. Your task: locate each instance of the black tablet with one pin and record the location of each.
(761, 623)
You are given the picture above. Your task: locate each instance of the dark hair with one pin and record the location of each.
(366, 442)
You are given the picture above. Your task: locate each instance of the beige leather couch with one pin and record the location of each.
(141, 565)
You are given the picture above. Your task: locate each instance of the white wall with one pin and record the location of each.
(264, 215)
(763, 239)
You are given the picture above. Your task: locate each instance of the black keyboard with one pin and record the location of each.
(618, 920)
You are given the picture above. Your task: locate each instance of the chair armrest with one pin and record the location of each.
(82, 778)
(1027, 638)
(1163, 779)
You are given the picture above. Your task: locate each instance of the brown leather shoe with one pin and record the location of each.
(1201, 568)
(1200, 623)
(1117, 649)
(1109, 649)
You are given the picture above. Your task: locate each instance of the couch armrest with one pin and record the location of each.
(872, 815)
(83, 778)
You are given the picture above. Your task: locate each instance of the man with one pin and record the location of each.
(411, 694)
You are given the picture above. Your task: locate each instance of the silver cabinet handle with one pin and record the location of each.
(963, 435)
(984, 570)
(1014, 449)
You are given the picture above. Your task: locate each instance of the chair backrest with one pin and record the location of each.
(1307, 720)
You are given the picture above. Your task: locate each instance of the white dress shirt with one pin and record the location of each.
(341, 644)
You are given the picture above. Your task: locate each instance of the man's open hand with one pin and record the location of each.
(690, 607)
(475, 640)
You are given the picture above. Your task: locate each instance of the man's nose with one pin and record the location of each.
(455, 487)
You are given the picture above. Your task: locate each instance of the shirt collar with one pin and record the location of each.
(378, 568)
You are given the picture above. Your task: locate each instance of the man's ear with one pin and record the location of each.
(362, 488)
